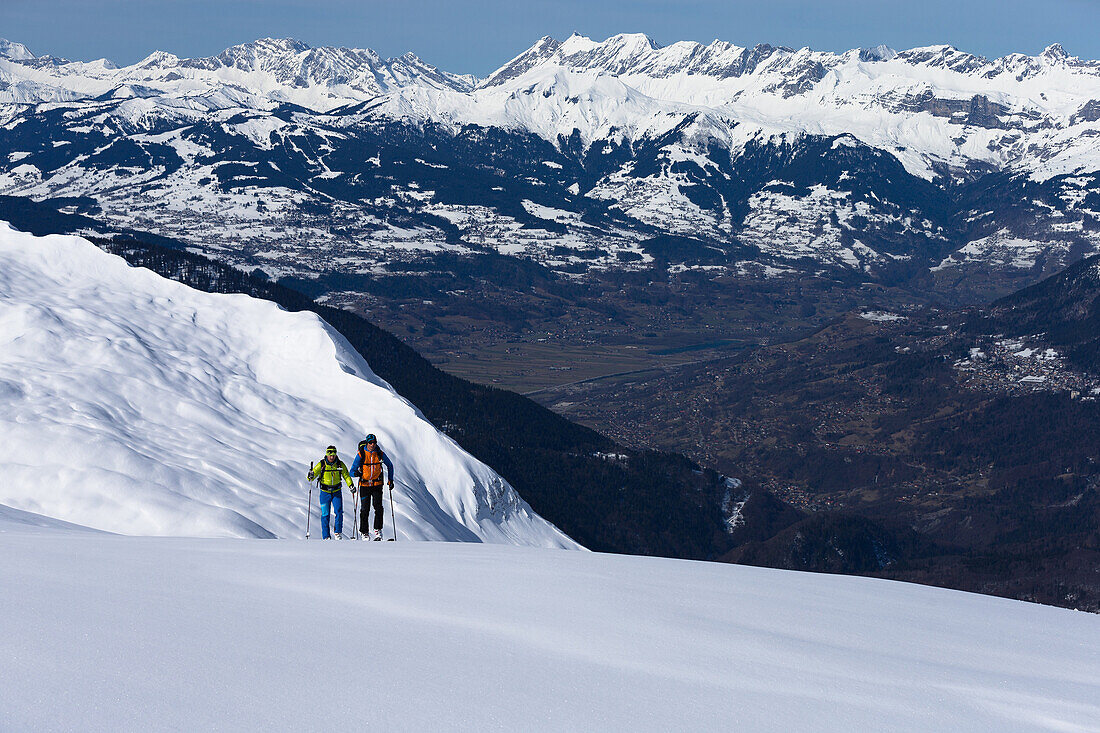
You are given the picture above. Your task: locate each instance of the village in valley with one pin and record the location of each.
(1018, 365)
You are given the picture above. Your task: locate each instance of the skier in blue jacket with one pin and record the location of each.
(368, 466)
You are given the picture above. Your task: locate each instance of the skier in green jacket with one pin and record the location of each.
(330, 470)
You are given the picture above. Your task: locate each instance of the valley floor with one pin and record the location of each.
(104, 632)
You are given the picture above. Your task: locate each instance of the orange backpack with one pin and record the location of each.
(370, 466)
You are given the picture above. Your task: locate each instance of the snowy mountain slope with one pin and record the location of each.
(15, 51)
(297, 194)
(137, 405)
(927, 106)
(157, 634)
(931, 107)
(306, 161)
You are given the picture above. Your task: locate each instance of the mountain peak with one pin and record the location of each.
(158, 60)
(620, 43)
(542, 50)
(257, 54)
(881, 52)
(617, 54)
(634, 39)
(1054, 53)
(944, 56)
(620, 54)
(283, 45)
(14, 51)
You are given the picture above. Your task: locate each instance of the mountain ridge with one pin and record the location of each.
(575, 153)
(190, 413)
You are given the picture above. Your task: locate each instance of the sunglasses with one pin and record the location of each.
(330, 453)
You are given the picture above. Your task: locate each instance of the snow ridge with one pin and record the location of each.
(134, 404)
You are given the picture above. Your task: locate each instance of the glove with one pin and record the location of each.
(310, 476)
(353, 489)
(391, 485)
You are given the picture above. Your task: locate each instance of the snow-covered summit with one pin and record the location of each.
(137, 405)
(635, 54)
(722, 72)
(268, 71)
(932, 107)
(543, 49)
(295, 64)
(14, 51)
(881, 52)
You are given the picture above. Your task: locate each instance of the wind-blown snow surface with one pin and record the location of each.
(107, 633)
(137, 405)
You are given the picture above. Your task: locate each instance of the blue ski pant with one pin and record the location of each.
(331, 501)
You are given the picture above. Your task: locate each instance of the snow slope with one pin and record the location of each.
(108, 633)
(134, 404)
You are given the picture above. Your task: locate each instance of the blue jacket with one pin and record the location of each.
(358, 463)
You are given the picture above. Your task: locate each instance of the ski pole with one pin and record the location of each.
(355, 515)
(309, 507)
(393, 517)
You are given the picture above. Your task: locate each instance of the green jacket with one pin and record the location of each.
(330, 474)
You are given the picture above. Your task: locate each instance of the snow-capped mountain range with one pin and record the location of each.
(134, 404)
(577, 154)
(275, 70)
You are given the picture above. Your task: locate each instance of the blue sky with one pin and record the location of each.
(476, 37)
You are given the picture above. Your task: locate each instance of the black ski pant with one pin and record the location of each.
(370, 495)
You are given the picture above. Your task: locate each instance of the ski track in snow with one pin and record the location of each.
(109, 633)
(137, 405)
